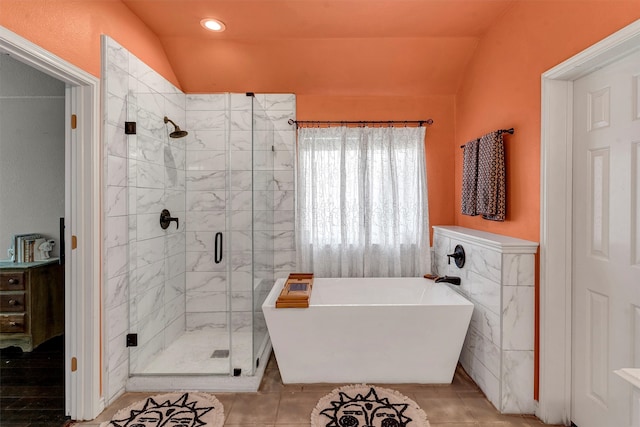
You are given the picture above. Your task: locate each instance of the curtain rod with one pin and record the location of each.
(510, 131)
(299, 123)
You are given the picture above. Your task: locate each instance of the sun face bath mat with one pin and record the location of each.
(365, 405)
(171, 410)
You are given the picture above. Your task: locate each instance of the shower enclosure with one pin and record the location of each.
(199, 284)
(186, 299)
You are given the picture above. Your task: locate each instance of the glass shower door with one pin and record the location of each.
(178, 277)
(263, 222)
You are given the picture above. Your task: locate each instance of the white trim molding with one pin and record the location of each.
(83, 195)
(556, 218)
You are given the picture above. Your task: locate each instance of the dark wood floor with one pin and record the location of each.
(32, 386)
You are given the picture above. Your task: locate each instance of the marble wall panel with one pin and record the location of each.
(498, 278)
(518, 270)
(207, 102)
(518, 317)
(149, 171)
(143, 174)
(517, 382)
(210, 320)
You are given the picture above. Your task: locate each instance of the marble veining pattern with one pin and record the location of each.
(207, 120)
(517, 382)
(518, 270)
(116, 291)
(143, 173)
(151, 251)
(174, 287)
(147, 171)
(200, 241)
(517, 317)
(208, 102)
(498, 349)
(207, 140)
(117, 167)
(203, 281)
(205, 180)
(115, 139)
(116, 231)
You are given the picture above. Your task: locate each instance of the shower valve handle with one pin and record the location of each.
(166, 218)
(458, 256)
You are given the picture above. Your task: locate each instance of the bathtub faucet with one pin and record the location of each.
(454, 280)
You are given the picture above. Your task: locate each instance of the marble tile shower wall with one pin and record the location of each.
(206, 183)
(144, 173)
(259, 221)
(146, 267)
(498, 277)
(275, 139)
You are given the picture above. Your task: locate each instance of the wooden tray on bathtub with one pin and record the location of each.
(296, 291)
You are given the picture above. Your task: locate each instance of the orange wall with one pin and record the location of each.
(438, 141)
(501, 89)
(71, 29)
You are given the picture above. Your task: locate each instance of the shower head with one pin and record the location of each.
(177, 133)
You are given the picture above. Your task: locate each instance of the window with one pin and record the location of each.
(362, 202)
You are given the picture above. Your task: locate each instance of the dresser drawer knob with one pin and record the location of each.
(13, 302)
(12, 323)
(13, 281)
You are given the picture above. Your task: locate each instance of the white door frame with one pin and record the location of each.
(83, 195)
(554, 404)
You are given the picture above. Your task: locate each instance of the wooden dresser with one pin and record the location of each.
(31, 303)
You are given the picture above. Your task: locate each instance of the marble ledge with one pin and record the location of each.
(631, 375)
(492, 241)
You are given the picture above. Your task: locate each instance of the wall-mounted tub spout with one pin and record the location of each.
(166, 218)
(454, 280)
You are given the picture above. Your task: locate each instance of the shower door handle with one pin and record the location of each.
(218, 248)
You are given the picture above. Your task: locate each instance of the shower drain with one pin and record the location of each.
(220, 354)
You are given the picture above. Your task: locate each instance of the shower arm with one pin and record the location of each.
(168, 120)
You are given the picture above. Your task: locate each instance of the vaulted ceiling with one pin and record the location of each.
(330, 47)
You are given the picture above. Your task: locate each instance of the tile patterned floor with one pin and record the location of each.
(460, 404)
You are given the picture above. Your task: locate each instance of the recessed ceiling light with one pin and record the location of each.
(212, 24)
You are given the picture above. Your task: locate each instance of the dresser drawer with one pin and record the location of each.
(13, 323)
(12, 281)
(12, 302)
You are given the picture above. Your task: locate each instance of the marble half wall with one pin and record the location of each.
(499, 278)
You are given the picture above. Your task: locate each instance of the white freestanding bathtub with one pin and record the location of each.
(370, 330)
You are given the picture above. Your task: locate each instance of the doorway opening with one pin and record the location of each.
(82, 234)
(556, 218)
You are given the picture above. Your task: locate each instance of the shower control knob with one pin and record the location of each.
(166, 218)
(458, 256)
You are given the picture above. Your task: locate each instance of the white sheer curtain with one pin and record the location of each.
(362, 207)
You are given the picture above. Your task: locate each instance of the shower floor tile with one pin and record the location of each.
(192, 354)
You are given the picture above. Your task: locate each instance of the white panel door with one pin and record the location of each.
(606, 242)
